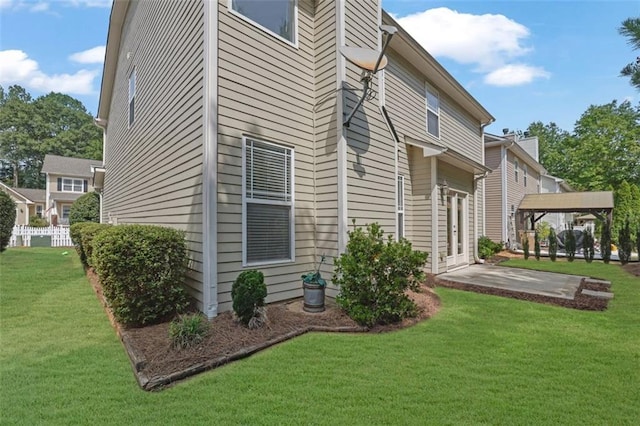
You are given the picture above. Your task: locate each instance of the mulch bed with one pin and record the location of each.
(158, 365)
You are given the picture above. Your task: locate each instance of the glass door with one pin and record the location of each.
(457, 226)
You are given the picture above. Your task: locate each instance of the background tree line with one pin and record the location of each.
(31, 128)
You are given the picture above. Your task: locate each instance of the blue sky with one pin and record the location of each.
(523, 60)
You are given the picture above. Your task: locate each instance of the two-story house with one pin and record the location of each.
(515, 173)
(66, 180)
(29, 202)
(227, 119)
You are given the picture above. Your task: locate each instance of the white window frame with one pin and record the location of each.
(293, 42)
(72, 183)
(246, 199)
(132, 96)
(516, 166)
(400, 210)
(436, 94)
(524, 174)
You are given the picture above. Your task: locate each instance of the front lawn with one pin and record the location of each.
(482, 359)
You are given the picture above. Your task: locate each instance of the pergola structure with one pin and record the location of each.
(599, 204)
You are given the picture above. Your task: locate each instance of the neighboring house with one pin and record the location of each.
(29, 202)
(66, 180)
(515, 173)
(227, 122)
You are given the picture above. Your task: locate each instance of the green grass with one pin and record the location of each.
(481, 360)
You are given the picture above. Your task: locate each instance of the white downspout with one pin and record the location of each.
(475, 198)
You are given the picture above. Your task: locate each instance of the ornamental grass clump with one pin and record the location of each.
(188, 330)
(374, 274)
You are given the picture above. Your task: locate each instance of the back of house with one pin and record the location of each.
(227, 120)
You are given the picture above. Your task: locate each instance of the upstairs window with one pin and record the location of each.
(72, 185)
(524, 175)
(268, 203)
(433, 112)
(132, 96)
(400, 207)
(516, 165)
(276, 16)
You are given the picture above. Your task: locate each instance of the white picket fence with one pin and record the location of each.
(22, 236)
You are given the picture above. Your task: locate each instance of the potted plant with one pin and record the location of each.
(313, 286)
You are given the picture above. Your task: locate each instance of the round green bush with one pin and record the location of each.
(248, 293)
(85, 209)
(7, 219)
(141, 269)
(87, 234)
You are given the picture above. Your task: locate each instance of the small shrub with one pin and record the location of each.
(188, 330)
(85, 209)
(588, 245)
(553, 245)
(625, 244)
(7, 219)
(570, 244)
(248, 293)
(38, 222)
(487, 248)
(87, 235)
(543, 229)
(374, 276)
(536, 244)
(638, 242)
(75, 232)
(525, 246)
(605, 241)
(141, 269)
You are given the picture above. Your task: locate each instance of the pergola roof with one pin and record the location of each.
(568, 202)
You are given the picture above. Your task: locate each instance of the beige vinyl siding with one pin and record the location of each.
(418, 210)
(266, 91)
(370, 146)
(154, 167)
(493, 194)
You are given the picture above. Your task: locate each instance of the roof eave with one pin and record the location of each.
(116, 22)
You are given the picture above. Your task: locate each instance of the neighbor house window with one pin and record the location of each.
(433, 112)
(39, 209)
(524, 175)
(276, 16)
(132, 96)
(72, 185)
(515, 169)
(268, 202)
(400, 207)
(65, 211)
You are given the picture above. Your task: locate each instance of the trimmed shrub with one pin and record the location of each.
(248, 293)
(75, 232)
(374, 276)
(638, 242)
(38, 222)
(7, 219)
(87, 235)
(536, 244)
(141, 269)
(85, 209)
(487, 248)
(188, 330)
(570, 244)
(588, 245)
(605, 241)
(553, 245)
(625, 244)
(525, 246)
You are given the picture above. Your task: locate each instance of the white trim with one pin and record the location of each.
(291, 203)
(400, 208)
(72, 179)
(296, 32)
(429, 88)
(505, 165)
(435, 255)
(210, 163)
(341, 74)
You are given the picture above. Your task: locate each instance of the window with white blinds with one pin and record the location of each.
(268, 197)
(433, 112)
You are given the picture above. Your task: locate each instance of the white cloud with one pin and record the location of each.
(515, 75)
(487, 42)
(5, 4)
(44, 5)
(91, 56)
(39, 7)
(17, 68)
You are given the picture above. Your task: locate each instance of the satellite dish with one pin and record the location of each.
(363, 58)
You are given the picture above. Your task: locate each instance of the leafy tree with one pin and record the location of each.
(7, 219)
(551, 147)
(51, 124)
(630, 28)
